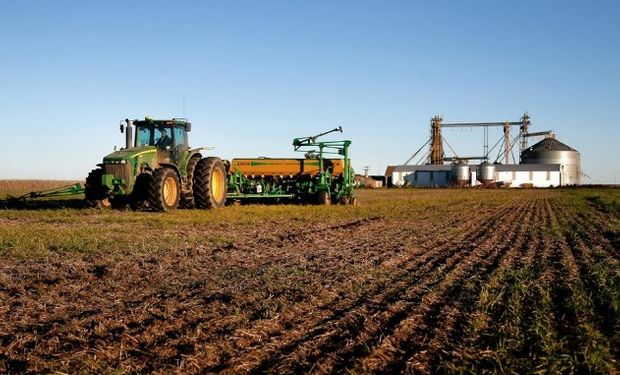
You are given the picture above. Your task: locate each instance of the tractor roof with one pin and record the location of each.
(175, 121)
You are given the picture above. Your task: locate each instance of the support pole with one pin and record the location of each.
(525, 125)
(485, 147)
(506, 143)
(436, 150)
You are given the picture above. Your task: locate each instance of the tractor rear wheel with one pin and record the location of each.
(95, 193)
(164, 190)
(209, 183)
(187, 198)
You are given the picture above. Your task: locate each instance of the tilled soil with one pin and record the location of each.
(528, 284)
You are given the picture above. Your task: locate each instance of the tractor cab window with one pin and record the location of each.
(180, 137)
(162, 137)
(154, 136)
(144, 136)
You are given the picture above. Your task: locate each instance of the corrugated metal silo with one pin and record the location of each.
(485, 172)
(460, 174)
(552, 151)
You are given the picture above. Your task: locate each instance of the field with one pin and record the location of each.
(422, 281)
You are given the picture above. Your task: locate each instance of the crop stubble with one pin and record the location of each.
(500, 281)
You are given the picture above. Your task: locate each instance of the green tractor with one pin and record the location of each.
(157, 170)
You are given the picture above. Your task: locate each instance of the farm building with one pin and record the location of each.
(418, 175)
(371, 181)
(512, 175)
(547, 163)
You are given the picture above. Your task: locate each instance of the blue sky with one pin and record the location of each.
(255, 74)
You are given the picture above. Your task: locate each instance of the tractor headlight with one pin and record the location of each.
(123, 161)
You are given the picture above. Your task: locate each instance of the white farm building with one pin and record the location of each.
(548, 163)
(511, 175)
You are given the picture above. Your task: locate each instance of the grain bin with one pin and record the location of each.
(552, 151)
(460, 174)
(485, 172)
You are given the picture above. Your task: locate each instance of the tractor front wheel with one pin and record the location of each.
(164, 190)
(102, 204)
(94, 192)
(140, 192)
(210, 185)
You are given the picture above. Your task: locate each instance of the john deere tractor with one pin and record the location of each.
(157, 170)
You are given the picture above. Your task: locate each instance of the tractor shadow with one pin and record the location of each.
(44, 204)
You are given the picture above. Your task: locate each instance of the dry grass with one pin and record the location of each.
(20, 187)
(464, 281)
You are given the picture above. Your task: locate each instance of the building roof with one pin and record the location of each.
(549, 144)
(447, 167)
(412, 168)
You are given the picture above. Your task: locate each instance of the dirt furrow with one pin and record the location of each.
(396, 293)
(237, 324)
(449, 281)
(444, 320)
(487, 322)
(441, 306)
(478, 305)
(587, 293)
(152, 328)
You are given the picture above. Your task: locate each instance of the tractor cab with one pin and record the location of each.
(164, 134)
(169, 136)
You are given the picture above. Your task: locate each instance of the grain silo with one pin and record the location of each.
(552, 151)
(460, 174)
(485, 173)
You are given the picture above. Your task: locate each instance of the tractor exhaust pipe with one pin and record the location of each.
(129, 134)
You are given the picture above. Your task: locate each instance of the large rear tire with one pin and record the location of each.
(95, 193)
(210, 183)
(187, 199)
(164, 190)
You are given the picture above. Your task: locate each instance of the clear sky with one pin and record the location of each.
(255, 74)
